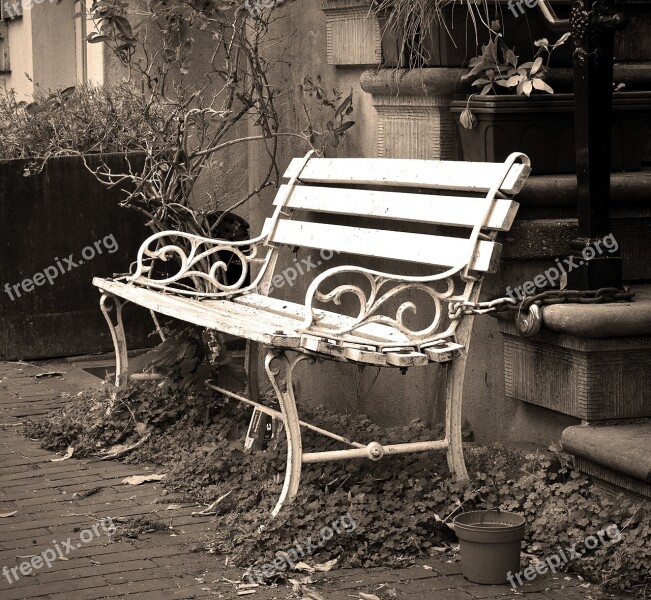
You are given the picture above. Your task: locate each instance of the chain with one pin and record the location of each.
(498, 305)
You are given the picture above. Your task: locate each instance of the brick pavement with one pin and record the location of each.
(161, 564)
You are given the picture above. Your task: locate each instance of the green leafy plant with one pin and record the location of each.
(500, 72)
(411, 21)
(497, 71)
(86, 118)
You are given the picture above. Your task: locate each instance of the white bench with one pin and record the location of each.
(470, 201)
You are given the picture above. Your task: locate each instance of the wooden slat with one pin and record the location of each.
(222, 315)
(368, 357)
(444, 353)
(396, 245)
(432, 174)
(251, 316)
(401, 206)
(373, 334)
(406, 358)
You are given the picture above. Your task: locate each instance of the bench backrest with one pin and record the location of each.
(424, 196)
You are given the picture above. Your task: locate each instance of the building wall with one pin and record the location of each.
(19, 40)
(53, 45)
(386, 395)
(45, 48)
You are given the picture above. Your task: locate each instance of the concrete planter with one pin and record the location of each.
(542, 127)
(50, 221)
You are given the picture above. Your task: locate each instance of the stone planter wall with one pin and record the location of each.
(50, 217)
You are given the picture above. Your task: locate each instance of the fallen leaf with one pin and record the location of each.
(364, 596)
(301, 566)
(173, 506)
(10, 514)
(427, 567)
(326, 566)
(138, 479)
(66, 456)
(49, 374)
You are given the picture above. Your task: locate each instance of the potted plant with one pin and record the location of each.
(516, 109)
(448, 33)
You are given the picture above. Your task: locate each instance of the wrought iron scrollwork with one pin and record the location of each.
(374, 300)
(203, 261)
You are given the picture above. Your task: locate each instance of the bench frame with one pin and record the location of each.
(202, 263)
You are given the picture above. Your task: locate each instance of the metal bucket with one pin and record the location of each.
(489, 543)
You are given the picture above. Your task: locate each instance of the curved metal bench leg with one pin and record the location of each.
(453, 403)
(117, 334)
(290, 419)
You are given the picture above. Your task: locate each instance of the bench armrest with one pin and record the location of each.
(376, 292)
(201, 263)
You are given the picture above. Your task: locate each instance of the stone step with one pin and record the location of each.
(617, 455)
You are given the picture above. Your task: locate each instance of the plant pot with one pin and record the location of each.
(489, 542)
(542, 127)
(456, 39)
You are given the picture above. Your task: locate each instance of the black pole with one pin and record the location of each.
(593, 24)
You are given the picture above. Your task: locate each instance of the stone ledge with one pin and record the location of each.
(437, 81)
(619, 319)
(622, 449)
(593, 379)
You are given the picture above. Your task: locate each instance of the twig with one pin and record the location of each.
(210, 510)
(124, 451)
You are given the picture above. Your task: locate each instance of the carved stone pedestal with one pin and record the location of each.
(414, 119)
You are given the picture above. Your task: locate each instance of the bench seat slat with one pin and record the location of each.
(401, 206)
(396, 245)
(444, 175)
(267, 320)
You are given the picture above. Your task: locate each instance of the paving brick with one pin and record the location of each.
(112, 591)
(69, 588)
(144, 553)
(101, 570)
(447, 568)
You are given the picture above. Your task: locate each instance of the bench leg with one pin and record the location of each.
(453, 402)
(117, 334)
(289, 412)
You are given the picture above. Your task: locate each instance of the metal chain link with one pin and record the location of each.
(601, 296)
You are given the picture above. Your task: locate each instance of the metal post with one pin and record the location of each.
(593, 24)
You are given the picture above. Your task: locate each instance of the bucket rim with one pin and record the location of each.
(493, 526)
